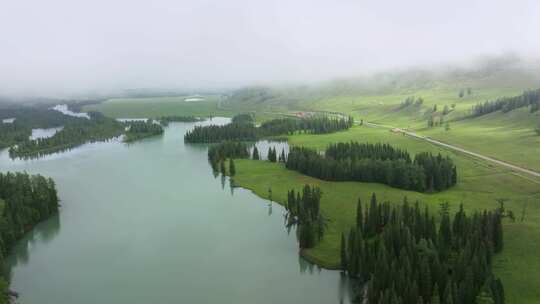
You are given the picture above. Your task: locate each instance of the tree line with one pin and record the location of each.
(530, 98)
(243, 129)
(141, 129)
(75, 133)
(304, 212)
(26, 119)
(380, 163)
(409, 101)
(399, 255)
(313, 125)
(25, 200)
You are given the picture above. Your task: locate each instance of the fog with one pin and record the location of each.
(61, 47)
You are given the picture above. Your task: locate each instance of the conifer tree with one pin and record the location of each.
(222, 167)
(232, 167)
(256, 155)
(343, 253)
(359, 215)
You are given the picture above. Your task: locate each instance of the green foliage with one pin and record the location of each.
(142, 129)
(28, 118)
(303, 211)
(410, 101)
(25, 200)
(529, 98)
(245, 118)
(255, 154)
(232, 167)
(215, 133)
(379, 163)
(220, 152)
(74, 133)
(315, 125)
(272, 154)
(243, 129)
(397, 251)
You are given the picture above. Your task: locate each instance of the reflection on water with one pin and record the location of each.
(44, 133)
(151, 216)
(42, 233)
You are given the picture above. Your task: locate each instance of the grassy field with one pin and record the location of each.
(506, 136)
(151, 107)
(478, 187)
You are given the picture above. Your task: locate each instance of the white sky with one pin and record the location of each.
(67, 46)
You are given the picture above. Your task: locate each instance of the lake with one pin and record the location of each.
(149, 223)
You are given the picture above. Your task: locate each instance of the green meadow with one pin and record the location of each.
(151, 107)
(479, 186)
(506, 136)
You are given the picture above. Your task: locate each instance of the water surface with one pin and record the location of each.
(149, 223)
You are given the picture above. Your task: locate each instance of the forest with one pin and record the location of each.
(530, 98)
(26, 119)
(242, 128)
(314, 125)
(379, 163)
(141, 129)
(25, 200)
(398, 254)
(74, 133)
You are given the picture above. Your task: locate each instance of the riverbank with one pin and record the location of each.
(173, 233)
(478, 188)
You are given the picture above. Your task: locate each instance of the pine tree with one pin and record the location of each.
(256, 155)
(359, 215)
(497, 233)
(222, 167)
(343, 253)
(232, 168)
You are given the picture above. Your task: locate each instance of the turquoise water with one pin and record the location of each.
(149, 223)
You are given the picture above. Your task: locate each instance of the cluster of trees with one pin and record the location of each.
(25, 200)
(506, 104)
(242, 128)
(463, 91)
(215, 133)
(13, 133)
(272, 154)
(245, 118)
(142, 129)
(314, 125)
(304, 212)
(378, 163)
(218, 154)
(75, 133)
(26, 119)
(435, 120)
(165, 120)
(409, 101)
(399, 255)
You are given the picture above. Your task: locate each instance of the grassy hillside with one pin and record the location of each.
(506, 136)
(478, 187)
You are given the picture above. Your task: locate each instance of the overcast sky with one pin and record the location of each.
(66, 46)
